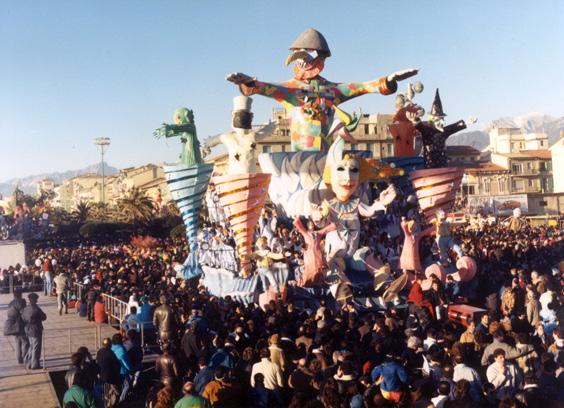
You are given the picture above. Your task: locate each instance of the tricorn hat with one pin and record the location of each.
(437, 108)
(312, 40)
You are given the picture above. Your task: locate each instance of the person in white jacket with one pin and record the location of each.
(505, 377)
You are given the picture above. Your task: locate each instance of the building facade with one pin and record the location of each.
(518, 174)
(88, 187)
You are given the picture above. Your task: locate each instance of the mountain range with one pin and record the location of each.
(531, 122)
(29, 184)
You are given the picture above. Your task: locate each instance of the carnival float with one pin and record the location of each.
(328, 194)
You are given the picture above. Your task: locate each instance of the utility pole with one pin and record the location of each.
(102, 143)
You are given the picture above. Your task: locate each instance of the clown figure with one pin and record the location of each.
(309, 99)
(444, 237)
(344, 176)
(263, 257)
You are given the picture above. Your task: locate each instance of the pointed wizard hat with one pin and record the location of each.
(437, 108)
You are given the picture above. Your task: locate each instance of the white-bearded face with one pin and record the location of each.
(345, 178)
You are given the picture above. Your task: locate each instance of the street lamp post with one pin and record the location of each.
(102, 143)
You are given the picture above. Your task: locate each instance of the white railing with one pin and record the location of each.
(115, 308)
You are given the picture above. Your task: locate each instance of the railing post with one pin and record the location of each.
(143, 337)
(70, 346)
(43, 347)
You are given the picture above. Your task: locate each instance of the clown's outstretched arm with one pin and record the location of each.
(386, 86)
(251, 86)
(386, 197)
(275, 256)
(458, 126)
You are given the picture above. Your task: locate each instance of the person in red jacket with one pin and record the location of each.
(100, 315)
(416, 293)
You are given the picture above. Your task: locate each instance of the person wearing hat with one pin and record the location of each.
(14, 325)
(33, 318)
(311, 100)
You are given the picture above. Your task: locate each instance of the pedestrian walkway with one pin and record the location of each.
(62, 336)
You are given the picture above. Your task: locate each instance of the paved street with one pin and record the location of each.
(63, 335)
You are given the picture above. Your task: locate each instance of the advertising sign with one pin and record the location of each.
(501, 204)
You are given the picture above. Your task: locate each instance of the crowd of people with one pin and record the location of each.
(218, 352)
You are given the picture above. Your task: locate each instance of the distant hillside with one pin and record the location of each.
(531, 122)
(29, 184)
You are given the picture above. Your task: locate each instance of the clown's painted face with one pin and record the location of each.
(438, 121)
(307, 63)
(345, 178)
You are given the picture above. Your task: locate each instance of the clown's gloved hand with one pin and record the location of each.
(388, 195)
(471, 120)
(240, 79)
(401, 75)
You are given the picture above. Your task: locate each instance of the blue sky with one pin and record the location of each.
(74, 70)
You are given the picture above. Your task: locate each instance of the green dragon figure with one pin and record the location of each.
(185, 128)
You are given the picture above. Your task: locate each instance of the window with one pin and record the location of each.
(542, 166)
(486, 186)
(501, 185)
(471, 190)
(542, 143)
(517, 185)
(283, 148)
(366, 129)
(517, 168)
(370, 147)
(389, 146)
(265, 149)
(531, 183)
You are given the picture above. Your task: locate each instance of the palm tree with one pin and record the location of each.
(172, 207)
(136, 206)
(82, 211)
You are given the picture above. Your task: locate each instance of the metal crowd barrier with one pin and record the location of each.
(115, 308)
(57, 345)
(79, 290)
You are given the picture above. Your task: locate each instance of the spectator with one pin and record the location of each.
(100, 315)
(109, 374)
(126, 370)
(190, 399)
(15, 326)
(79, 395)
(33, 318)
(271, 374)
(62, 288)
(204, 375)
(503, 376)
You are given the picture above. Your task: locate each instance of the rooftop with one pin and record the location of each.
(461, 150)
(484, 167)
(528, 154)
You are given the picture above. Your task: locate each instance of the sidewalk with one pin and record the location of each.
(20, 387)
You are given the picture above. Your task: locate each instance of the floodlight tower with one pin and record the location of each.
(102, 143)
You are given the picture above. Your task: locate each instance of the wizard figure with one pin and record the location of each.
(434, 133)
